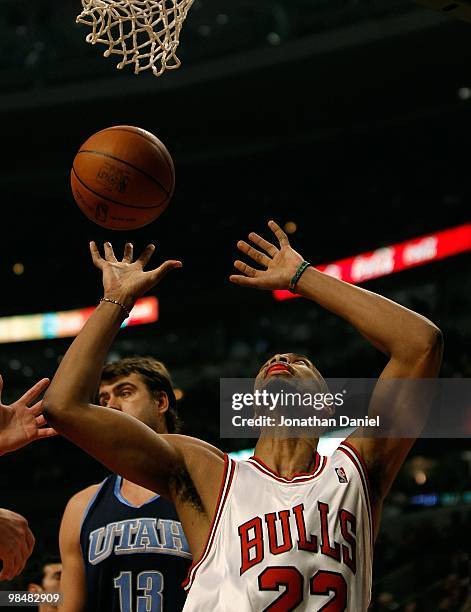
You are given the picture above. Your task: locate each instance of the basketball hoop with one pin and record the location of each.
(145, 33)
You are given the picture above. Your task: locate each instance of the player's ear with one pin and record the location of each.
(34, 588)
(162, 402)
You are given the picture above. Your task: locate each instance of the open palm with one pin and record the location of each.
(280, 262)
(126, 280)
(21, 424)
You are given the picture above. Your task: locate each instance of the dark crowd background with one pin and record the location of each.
(351, 119)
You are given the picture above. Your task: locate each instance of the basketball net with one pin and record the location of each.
(145, 33)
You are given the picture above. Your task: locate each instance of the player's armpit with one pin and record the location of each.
(196, 486)
(73, 584)
(402, 399)
(197, 480)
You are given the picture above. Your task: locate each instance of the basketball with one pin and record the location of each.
(123, 178)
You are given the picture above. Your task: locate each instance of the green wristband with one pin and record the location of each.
(294, 281)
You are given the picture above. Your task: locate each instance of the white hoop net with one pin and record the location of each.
(145, 33)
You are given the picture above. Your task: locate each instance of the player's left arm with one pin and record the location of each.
(403, 408)
(412, 343)
(73, 578)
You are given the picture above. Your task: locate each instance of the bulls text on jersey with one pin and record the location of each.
(278, 531)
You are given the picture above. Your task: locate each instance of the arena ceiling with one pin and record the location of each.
(344, 104)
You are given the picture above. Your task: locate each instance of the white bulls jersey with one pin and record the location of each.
(279, 544)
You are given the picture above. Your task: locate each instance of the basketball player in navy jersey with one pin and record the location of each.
(122, 546)
(287, 529)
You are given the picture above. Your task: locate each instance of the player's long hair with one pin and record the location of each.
(155, 376)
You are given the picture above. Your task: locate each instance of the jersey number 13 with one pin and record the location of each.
(149, 589)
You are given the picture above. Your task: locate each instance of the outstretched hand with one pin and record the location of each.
(280, 262)
(16, 543)
(20, 424)
(126, 280)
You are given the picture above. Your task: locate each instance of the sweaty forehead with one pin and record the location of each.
(107, 385)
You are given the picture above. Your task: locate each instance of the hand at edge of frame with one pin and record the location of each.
(21, 424)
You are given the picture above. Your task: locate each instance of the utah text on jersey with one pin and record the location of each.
(138, 535)
(301, 544)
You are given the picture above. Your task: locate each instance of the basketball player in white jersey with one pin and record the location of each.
(288, 529)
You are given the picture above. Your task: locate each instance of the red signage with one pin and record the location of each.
(394, 258)
(146, 310)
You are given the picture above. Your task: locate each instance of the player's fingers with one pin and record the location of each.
(19, 560)
(37, 408)
(243, 281)
(22, 555)
(96, 257)
(30, 541)
(257, 256)
(22, 565)
(268, 247)
(40, 420)
(7, 571)
(158, 274)
(245, 269)
(146, 254)
(109, 253)
(47, 432)
(128, 252)
(35, 391)
(279, 233)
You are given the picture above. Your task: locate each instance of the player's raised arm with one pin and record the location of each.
(412, 342)
(120, 442)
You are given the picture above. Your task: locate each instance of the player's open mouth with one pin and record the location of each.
(278, 367)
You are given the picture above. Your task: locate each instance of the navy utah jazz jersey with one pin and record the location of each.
(135, 557)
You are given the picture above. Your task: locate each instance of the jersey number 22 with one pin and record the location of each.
(322, 583)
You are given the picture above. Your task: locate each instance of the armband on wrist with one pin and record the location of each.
(299, 272)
